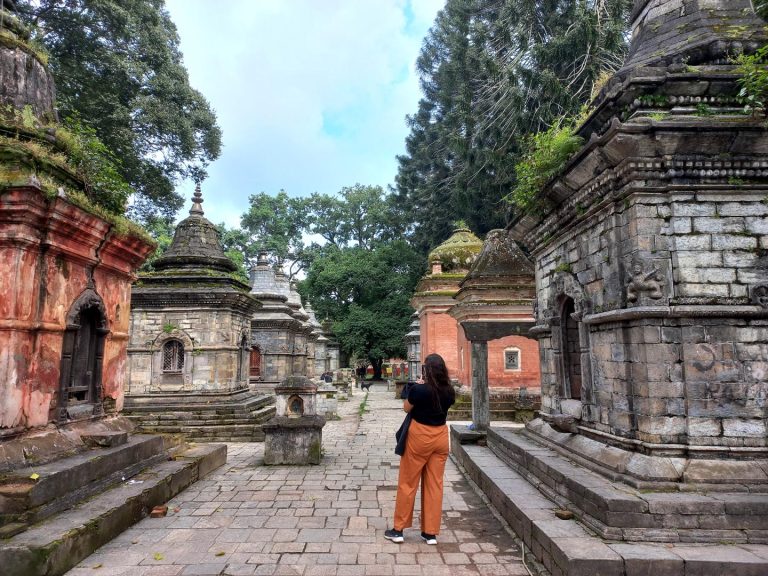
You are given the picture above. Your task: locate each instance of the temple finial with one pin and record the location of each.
(197, 201)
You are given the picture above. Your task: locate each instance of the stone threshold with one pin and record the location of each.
(56, 545)
(569, 548)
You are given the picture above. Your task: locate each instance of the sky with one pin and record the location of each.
(311, 95)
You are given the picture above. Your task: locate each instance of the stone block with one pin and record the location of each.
(733, 242)
(709, 225)
(648, 560)
(744, 428)
(704, 427)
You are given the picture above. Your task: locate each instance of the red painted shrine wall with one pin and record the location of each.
(49, 249)
(441, 334)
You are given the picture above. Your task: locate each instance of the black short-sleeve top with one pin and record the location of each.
(425, 410)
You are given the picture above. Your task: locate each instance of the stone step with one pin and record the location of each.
(253, 432)
(56, 545)
(240, 404)
(62, 483)
(568, 548)
(615, 510)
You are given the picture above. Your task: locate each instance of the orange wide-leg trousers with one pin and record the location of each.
(426, 451)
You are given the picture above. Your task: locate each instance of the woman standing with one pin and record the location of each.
(426, 450)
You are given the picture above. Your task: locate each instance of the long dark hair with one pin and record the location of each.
(436, 377)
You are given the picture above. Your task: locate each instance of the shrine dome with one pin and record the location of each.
(457, 254)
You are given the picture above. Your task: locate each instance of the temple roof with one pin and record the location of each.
(500, 256)
(264, 285)
(196, 244)
(458, 252)
(693, 32)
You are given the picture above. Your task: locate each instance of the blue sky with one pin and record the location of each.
(311, 95)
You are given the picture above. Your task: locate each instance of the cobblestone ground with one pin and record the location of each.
(247, 518)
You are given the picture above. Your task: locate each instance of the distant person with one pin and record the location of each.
(426, 450)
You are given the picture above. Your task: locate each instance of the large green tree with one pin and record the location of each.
(118, 67)
(492, 72)
(366, 292)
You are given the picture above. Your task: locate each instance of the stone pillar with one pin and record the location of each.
(481, 409)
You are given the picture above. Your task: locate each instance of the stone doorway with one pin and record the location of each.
(254, 369)
(82, 359)
(570, 357)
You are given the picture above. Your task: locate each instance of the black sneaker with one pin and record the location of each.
(395, 535)
(430, 539)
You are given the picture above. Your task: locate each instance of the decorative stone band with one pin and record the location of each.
(643, 312)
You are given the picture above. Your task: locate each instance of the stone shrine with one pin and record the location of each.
(295, 434)
(190, 341)
(650, 276)
(273, 329)
(494, 308)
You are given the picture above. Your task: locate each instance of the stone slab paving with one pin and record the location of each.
(327, 520)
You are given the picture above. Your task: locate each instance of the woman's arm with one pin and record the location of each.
(407, 406)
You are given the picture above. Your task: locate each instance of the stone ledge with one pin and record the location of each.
(55, 546)
(567, 548)
(623, 513)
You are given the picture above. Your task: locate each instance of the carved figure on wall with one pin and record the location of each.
(648, 283)
(759, 295)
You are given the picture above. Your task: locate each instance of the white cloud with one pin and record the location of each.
(311, 94)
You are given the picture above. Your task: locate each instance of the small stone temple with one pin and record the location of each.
(494, 310)
(512, 359)
(273, 329)
(322, 365)
(413, 348)
(190, 341)
(66, 269)
(652, 320)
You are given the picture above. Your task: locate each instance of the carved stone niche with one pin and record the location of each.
(647, 281)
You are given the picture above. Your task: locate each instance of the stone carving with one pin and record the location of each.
(642, 282)
(566, 284)
(759, 295)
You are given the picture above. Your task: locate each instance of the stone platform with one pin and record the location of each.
(618, 530)
(235, 417)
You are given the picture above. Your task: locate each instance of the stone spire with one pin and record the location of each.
(196, 245)
(692, 32)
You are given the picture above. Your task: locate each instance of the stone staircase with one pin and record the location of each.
(611, 528)
(55, 514)
(218, 418)
(505, 406)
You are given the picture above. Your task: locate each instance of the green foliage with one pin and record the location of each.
(117, 63)
(545, 155)
(95, 163)
(274, 223)
(366, 293)
(754, 81)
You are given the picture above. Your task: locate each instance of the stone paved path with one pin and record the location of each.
(247, 518)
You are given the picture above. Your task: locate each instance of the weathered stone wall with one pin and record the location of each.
(276, 354)
(51, 253)
(214, 359)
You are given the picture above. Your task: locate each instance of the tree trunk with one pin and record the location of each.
(376, 363)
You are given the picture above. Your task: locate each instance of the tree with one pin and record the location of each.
(359, 216)
(366, 293)
(492, 72)
(277, 224)
(118, 67)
